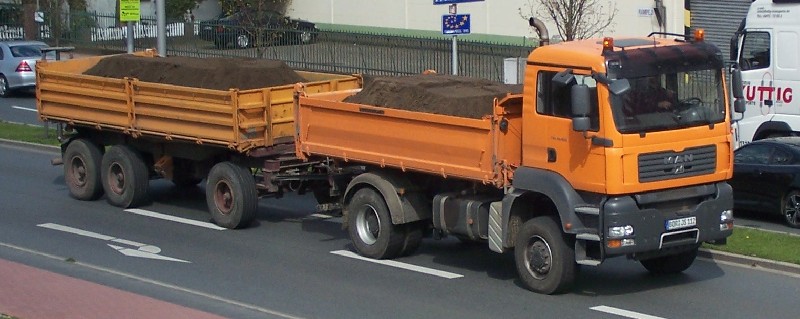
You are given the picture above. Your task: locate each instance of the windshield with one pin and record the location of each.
(660, 102)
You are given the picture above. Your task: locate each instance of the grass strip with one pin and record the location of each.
(762, 244)
(28, 133)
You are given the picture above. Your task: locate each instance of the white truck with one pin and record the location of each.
(767, 49)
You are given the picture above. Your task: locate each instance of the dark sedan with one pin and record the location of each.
(248, 29)
(766, 178)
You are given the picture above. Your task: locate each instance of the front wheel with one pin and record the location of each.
(231, 195)
(671, 264)
(370, 227)
(125, 177)
(545, 260)
(790, 208)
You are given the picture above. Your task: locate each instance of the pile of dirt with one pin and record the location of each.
(433, 93)
(207, 73)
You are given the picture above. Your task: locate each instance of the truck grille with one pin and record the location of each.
(671, 165)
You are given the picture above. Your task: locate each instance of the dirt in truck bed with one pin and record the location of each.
(433, 93)
(207, 73)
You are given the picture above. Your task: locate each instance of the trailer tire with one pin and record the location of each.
(370, 227)
(671, 264)
(125, 177)
(231, 195)
(82, 160)
(545, 260)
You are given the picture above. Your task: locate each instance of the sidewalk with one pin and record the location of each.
(32, 293)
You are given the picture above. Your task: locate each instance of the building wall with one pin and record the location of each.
(501, 17)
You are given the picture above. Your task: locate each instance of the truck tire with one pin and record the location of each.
(370, 226)
(82, 160)
(545, 260)
(231, 195)
(183, 173)
(671, 264)
(125, 177)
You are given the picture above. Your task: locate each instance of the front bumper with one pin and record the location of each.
(649, 214)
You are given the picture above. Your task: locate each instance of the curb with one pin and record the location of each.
(751, 262)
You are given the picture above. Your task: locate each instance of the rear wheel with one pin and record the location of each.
(790, 208)
(545, 260)
(671, 264)
(370, 227)
(231, 195)
(125, 177)
(5, 91)
(82, 160)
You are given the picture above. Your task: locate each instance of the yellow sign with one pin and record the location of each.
(129, 10)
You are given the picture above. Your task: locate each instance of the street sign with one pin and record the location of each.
(129, 10)
(435, 2)
(455, 24)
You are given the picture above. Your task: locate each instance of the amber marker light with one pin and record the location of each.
(699, 35)
(608, 44)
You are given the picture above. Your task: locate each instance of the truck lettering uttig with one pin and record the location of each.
(761, 93)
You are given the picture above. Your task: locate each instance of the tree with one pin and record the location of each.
(574, 19)
(175, 9)
(251, 18)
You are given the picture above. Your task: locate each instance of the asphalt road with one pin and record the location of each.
(292, 263)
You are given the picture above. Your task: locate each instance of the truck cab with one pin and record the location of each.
(766, 48)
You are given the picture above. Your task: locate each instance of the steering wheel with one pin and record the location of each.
(688, 103)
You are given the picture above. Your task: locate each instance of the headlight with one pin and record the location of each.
(726, 216)
(620, 231)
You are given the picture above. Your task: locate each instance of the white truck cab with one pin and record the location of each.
(767, 50)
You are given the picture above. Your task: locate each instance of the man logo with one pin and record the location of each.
(678, 162)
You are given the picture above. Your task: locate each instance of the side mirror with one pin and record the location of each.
(619, 86)
(581, 100)
(738, 105)
(736, 83)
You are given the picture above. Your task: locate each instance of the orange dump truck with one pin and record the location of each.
(616, 147)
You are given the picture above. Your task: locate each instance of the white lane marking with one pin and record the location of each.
(156, 283)
(141, 251)
(624, 313)
(174, 219)
(397, 264)
(23, 108)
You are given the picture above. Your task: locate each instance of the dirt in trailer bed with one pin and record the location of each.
(434, 93)
(207, 73)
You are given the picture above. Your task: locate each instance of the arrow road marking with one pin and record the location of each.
(624, 313)
(397, 264)
(141, 251)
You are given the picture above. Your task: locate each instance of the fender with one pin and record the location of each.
(548, 183)
(772, 126)
(406, 203)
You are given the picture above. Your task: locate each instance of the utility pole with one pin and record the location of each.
(161, 23)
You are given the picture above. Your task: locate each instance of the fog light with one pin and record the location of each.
(620, 231)
(628, 242)
(614, 243)
(726, 226)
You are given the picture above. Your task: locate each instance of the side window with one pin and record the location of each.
(755, 51)
(556, 100)
(753, 154)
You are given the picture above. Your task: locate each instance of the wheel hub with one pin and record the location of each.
(539, 257)
(223, 197)
(368, 225)
(78, 172)
(116, 178)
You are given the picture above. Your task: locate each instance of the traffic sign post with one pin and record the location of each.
(129, 12)
(455, 24)
(435, 2)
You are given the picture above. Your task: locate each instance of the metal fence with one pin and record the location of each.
(340, 52)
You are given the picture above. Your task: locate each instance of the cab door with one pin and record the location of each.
(549, 142)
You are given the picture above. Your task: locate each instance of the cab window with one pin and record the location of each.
(755, 51)
(556, 100)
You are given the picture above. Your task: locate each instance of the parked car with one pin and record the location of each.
(18, 65)
(766, 177)
(242, 29)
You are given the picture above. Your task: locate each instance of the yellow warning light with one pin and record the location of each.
(699, 35)
(608, 44)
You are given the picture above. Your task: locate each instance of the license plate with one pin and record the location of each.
(681, 223)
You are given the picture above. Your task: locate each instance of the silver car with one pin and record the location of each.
(18, 65)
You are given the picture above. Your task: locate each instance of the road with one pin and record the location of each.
(20, 108)
(292, 263)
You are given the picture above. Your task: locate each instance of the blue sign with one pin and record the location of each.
(455, 24)
(452, 1)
